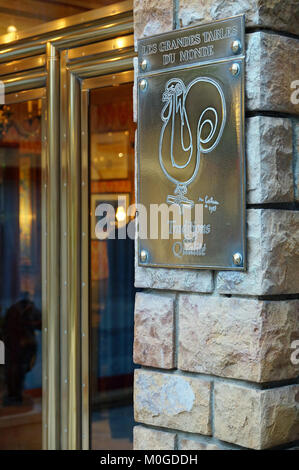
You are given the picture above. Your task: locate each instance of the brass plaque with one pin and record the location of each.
(191, 148)
(193, 45)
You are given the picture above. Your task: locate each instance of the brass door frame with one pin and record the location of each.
(78, 65)
(25, 79)
(59, 58)
(68, 29)
(77, 79)
(89, 84)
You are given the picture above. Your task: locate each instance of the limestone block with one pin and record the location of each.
(154, 330)
(271, 67)
(278, 15)
(173, 279)
(273, 256)
(151, 439)
(152, 17)
(172, 401)
(257, 419)
(269, 160)
(191, 444)
(239, 338)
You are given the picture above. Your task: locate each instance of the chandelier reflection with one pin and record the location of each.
(27, 126)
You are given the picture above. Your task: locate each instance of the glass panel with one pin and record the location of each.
(20, 276)
(112, 269)
(20, 16)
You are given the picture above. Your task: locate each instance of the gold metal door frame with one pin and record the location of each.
(79, 67)
(77, 79)
(89, 84)
(27, 79)
(60, 60)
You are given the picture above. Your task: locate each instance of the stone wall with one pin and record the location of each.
(215, 347)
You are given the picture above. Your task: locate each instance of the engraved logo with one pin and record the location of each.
(183, 140)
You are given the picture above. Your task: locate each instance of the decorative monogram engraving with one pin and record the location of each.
(209, 129)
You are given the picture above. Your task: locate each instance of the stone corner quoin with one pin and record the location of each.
(219, 343)
(239, 338)
(256, 419)
(272, 253)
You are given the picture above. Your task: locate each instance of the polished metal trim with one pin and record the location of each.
(44, 260)
(78, 371)
(53, 274)
(74, 268)
(17, 66)
(63, 250)
(27, 81)
(85, 267)
(70, 22)
(103, 66)
(108, 80)
(109, 46)
(16, 52)
(243, 172)
(74, 264)
(26, 95)
(87, 85)
(97, 31)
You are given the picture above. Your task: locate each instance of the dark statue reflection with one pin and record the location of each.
(21, 321)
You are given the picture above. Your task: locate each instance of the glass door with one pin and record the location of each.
(21, 273)
(111, 269)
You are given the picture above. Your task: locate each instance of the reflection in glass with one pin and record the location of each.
(20, 275)
(112, 269)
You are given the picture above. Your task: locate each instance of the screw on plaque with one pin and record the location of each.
(237, 259)
(235, 69)
(144, 64)
(143, 256)
(236, 46)
(143, 85)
